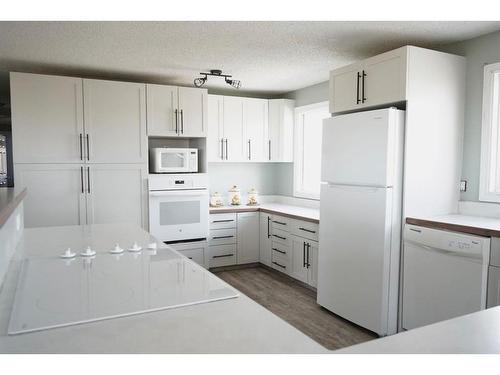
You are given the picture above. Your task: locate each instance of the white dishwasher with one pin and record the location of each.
(444, 275)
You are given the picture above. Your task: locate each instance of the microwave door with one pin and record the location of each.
(174, 162)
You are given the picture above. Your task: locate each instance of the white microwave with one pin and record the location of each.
(173, 160)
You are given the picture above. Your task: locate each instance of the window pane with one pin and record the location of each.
(495, 139)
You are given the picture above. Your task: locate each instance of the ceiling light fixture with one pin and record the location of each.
(200, 81)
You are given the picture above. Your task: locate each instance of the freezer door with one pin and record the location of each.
(362, 148)
(354, 254)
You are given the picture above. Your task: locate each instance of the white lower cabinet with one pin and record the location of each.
(304, 265)
(265, 239)
(196, 251)
(248, 237)
(493, 298)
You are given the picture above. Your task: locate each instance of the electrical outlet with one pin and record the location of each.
(463, 185)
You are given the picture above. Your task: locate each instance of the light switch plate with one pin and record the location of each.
(463, 185)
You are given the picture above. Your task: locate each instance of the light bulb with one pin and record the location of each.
(198, 82)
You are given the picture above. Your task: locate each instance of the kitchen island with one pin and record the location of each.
(233, 325)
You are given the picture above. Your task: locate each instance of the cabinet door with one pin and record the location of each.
(215, 147)
(299, 269)
(345, 89)
(56, 194)
(265, 239)
(493, 298)
(248, 237)
(192, 112)
(255, 119)
(116, 194)
(162, 111)
(115, 121)
(280, 130)
(312, 278)
(47, 118)
(233, 128)
(385, 79)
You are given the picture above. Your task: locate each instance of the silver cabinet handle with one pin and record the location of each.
(304, 255)
(222, 148)
(81, 146)
(223, 221)
(307, 230)
(249, 150)
(88, 146)
(88, 180)
(281, 238)
(308, 246)
(176, 122)
(182, 121)
(81, 179)
(363, 98)
(222, 256)
(226, 149)
(221, 237)
(279, 222)
(269, 149)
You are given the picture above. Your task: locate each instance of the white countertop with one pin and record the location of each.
(237, 325)
(286, 209)
(474, 333)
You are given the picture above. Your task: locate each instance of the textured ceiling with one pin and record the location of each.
(268, 57)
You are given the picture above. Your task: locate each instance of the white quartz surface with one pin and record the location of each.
(299, 211)
(474, 333)
(237, 325)
(467, 220)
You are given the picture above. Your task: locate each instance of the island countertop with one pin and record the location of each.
(10, 198)
(237, 325)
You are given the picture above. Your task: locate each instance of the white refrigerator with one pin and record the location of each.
(360, 217)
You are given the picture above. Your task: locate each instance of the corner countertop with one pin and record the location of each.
(9, 200)
(237, 325)
(292, 211)
(476, 333)
(476, 225)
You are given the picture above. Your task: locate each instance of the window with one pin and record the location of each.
(307, 149)
(489, 186)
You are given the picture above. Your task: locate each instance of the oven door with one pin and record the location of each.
(173, 161)
(178, 214)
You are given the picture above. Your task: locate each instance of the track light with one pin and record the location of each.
(200, 81)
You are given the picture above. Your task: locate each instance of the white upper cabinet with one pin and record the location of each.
(115, 121)
(47, 118)
(375, 81)
(279, 147)
(162, 111)
(233, 148)
(255, 118)
(215, 136)
(176, 111)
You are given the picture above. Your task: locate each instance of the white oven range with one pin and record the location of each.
(178, 206)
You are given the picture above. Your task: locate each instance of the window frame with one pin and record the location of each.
(298, 149)
(487, 133)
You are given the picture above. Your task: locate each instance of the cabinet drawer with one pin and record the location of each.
(280, 236)
(222, 255)
(222, 236)
(194, 254)
(280, 250)
(280, 263)
(305, 229)
(280, 222)
(222, 221)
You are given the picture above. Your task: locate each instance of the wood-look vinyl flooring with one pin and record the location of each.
(295, 304)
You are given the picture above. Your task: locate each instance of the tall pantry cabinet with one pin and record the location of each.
(80, 147)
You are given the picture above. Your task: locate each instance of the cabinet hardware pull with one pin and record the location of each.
(221, 237)
(182, 121)
(190, 257)
(269, 149)
(416, 230)
(282, 238)
(81, 146)
(88, 147)
(279, 251)
(226, 149)
(176, 121)
(279, 222)
(268, 221)
(222, 148)
(279, 265)
(357, 88)
(307, 230)
(88, 179)
(222, 256)
(363, 88)
(308, 247)
(81, 178)
(249, 150)
(222, 221)
(303, 254)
